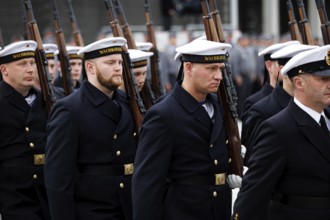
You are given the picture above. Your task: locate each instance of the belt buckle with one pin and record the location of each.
(220, 179)
(128, 169)
(39, 159)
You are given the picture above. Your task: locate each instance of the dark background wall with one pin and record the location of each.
(91, 14)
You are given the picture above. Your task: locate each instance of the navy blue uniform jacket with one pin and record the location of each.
(23, 134)
(291, 156)
(86, 128)
(178, 140)
(261, 111)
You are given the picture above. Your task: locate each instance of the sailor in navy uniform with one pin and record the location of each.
(182, 157)
(274, 77)
(23, 120)
(276, 101)
(290, 163)
(76, 65)
(92, 142)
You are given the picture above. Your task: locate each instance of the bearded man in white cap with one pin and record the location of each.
(92, 142)
(290, 162)
(182, 157)
(23, 119)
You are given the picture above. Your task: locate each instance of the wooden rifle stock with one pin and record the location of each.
(124, 25)
(217, 20)
(135, 101)
(156, 84)
(226, 94)
(26, 32)
(325, 24)
(304, 24)
(41, 60)
(78, 39)
(147, 94)
(294, 29)
(2, 44)
(63, 54)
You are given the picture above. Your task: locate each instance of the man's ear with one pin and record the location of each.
(89, 66)
(188, 67)
(3, 69)
(268, 65)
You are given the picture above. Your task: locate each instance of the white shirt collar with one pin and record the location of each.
(314, 114)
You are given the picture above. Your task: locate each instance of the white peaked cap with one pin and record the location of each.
(203, 51)
(103, 47)
(315, 61)
(72, 52)
(291, 50)
(275, 47)
(18, 50)
(139, 58)
(50, 48)
(145, 46)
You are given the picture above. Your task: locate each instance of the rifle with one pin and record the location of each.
(41, 60)
(226, 93)
(26, 34)
(135, 101)
(2, 44)
(156, 85)
(63, 54)
(294, 29)
(147, 94)
(325, 24)
(74, 25)
(304, 24)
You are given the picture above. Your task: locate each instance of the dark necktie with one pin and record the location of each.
(323, 124)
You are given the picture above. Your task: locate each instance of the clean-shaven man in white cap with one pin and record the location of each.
(139, 63)
(50, 50)
(277, 100)
(92, 142)
(290, 162)
(76, 64)
(272, 68)
(273, 77)
(182, 157)
(23, 119)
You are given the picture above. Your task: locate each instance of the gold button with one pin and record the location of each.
(236, 216)
(229, 160)
(118, 153)
(215, 194)
(121, 185)
(134, 134)
(31, 145)
(27, 129)
(211, 145)
(216, 162)
(35, 176)
(114, 137)
(227, 141)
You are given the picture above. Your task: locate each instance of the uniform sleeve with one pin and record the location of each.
(267, 162)
(60, 164)
(251, 126)
(151, 167)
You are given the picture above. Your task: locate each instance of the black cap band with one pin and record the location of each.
(103, 52)
(282, 61)
(139, 63)
(204, 58)
(312, 68)
(17, 56)
(50, 56)
(74, 56)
